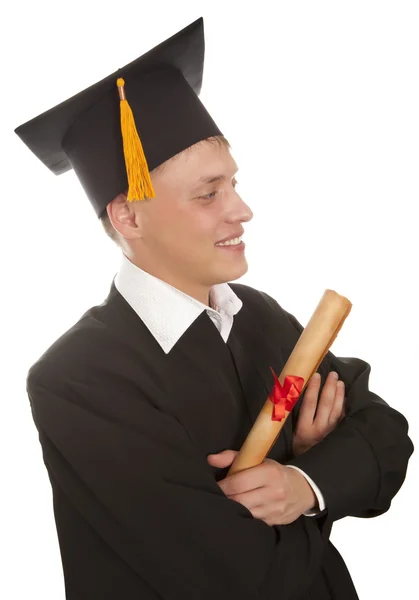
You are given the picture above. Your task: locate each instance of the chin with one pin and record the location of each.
(234, 272)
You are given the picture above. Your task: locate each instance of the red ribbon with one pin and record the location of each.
(284, 397)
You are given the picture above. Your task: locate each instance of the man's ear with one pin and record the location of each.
(123, 216)
(113, 208)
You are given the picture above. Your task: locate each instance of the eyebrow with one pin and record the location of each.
(211, 179)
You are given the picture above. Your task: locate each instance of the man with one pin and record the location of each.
(143, 403)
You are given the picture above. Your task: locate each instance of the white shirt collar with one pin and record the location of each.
(166, 311)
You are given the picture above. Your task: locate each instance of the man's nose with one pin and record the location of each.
(240, 211)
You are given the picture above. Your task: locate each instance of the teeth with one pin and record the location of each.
(232, 242)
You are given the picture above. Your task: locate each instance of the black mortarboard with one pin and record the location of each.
(84, 132)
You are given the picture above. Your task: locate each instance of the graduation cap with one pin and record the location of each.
(118, 130)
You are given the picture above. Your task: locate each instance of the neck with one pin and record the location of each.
(194, 290)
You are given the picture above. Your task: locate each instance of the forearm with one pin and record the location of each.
(361, 465)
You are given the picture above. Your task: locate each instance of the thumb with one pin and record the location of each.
(222, 459)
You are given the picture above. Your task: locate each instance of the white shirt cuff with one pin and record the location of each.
(319, 495)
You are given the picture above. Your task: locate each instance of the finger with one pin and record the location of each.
(338, 409)
(222, 459)
(247, 480)
(309, 402)
(259, 512)
(326, 402)
(271, 517)
(259, 498)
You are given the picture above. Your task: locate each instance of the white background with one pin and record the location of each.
(320, 101)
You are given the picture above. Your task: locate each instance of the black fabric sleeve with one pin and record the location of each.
(153, 499)
(360, 466)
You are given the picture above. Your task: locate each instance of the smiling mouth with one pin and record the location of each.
(233, 242)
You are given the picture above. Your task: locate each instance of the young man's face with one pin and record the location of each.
(182, 224)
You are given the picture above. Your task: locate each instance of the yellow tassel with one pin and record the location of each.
(139, 180)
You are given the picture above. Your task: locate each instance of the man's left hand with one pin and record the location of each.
(270, 491)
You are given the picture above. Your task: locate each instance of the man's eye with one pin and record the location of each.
(209, 196)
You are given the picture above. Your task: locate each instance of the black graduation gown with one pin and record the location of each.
(125, 432)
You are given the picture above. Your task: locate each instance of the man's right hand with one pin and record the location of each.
(330, 411)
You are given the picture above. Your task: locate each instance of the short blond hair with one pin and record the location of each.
(104, 218)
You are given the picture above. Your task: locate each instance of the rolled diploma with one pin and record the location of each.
(304, 360)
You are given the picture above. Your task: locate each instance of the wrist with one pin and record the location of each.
(305, 492)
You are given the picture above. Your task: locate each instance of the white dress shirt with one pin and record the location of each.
(168, 313)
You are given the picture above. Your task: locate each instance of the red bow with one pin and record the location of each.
(284, 397)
